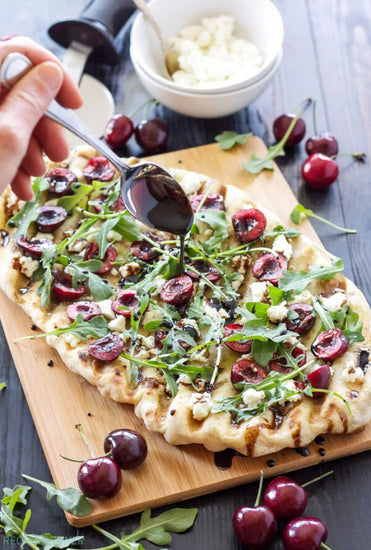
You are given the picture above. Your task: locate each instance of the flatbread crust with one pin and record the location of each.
(174, 417)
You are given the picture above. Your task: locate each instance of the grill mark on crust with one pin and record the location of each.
(334, 408)
(251, 435)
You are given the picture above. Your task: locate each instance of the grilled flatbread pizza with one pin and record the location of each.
(260, 344)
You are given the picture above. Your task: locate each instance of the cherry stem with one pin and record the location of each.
(71, 459)
(80, 428)
(345, 229)
(318, 478)
(314, 117)
(358, 156)
(257, 501)
(323, 545)
(145, 106)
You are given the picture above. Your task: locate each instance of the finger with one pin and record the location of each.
(33, 162)
(69, 94)
(52, 138)
(21, 185)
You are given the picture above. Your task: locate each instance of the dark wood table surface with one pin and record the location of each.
(326, 57)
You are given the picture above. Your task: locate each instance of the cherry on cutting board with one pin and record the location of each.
(305, 534)
(320, 171)
(128, 448)
(99, 477)
(281, 125)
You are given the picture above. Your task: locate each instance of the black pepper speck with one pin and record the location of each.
(50, 363)
(322, 451)
(271, 463)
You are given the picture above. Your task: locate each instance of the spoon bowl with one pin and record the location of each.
(149, 192)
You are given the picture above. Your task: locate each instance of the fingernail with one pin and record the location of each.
(51, 75)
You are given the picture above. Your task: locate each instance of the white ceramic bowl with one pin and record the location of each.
(257, 20)
(205, 105)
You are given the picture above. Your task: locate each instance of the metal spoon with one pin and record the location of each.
(149, 192)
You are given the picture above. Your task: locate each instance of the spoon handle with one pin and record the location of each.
(16, 65)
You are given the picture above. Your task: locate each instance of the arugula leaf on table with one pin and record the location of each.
(228, 139)
(300, 212)
(13, 525)
(2, 386)
(69, 499)
(30, 211)
(96, 326)
(217, 220)
(297, 282)
(285, 231)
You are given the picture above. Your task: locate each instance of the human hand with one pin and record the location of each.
(24, 132)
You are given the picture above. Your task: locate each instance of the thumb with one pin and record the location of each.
(29, 98)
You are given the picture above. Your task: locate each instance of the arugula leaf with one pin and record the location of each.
(263, 351)
(102, 236)
(30, 211)
(13, 525)
(228, 139)
(2, 386)
(285, 231)
(96, 326)
(127, 226)
(298, 282)
(352, 328)
(217, 220)
(79, 198)
(100, 288)
(275, 294)
(346, 320)
(300, 212)
(68, 499)
(327, 321)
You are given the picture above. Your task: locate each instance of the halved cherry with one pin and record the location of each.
(177, 291)
(50, 217)
(247, 370)
(269, 267)
(241, 346)
(143, 250)
(320, 378)
(160, 335)
(213, 201)
(119, 205)
(210, 272)
(99, 168)
(88, 310)
(63, 290)
(107, 348)
(33, 247)
(330, 344)
(127, 298)
(304, 320)
(109, 257)
(60, 180)
(249, 224)
(279, 364)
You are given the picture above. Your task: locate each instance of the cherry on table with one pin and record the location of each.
(99, 477)
(152, 135)
(178, 290)
(325, 143)
(247, 370)
(286, 498)
(118, 130)
(330, 344)
(320, 171)
(240, 346)
(249, 224)
(281, 125)
(128, 448)
(304, 534)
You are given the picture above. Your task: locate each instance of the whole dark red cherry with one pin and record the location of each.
(127, 298)
(99, 168)
(330, 344)
(128, 448)
(320, 378)
(63, 290)
(99, 477)
(254, 527)
(281, 125)
(109, 257)
(88, 310)
(249, 224)
(50, 218)
(320, 171)
(325, 143)
(304, 534)
(213, 201)
(247, 370)
(107, 348)
(33, 248)
(269, 267)
(60, 180)
(240, 346)
(304, 320)
(152, 135)
(178, 290)
(286, 498)
(118, 130)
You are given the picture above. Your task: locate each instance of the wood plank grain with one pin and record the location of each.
(59, 400)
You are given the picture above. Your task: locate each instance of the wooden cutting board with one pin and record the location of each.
(59, 399)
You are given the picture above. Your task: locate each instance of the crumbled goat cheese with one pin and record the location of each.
(210, 55)
(277, 313)
(106, 309)
(353, 374)
(281, 244)
(190, 183)
(334, 302)
(78, 246)
(72, 340)
(28, 265)
(114, 271)
(11, 200)
(113, 236)
(130, 270)
(258, 291)
(290, 385)
(210, 312)
(252, 398)
(49, 236)
(201, 405)
(146, 341)
(184, 379)
(237, 281)
(305, 297)
(118, 324)
(152, 315)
